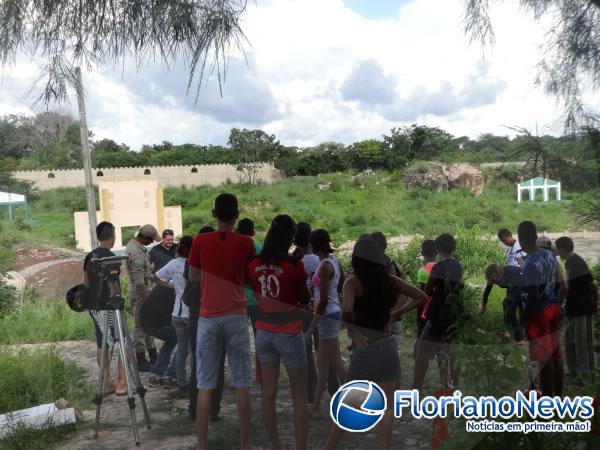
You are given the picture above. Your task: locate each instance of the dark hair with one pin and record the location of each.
(245, 227)
(184, 246)
(379, 237)
(279, 239)
(491, 270)
(320, 241)
(379, 295)
(428, 248)
(503, 234)
(167, 232)
(226, 207)
(527, 232)
(302, 232)
(445, 243)
(206, 229)
(565, 243)
(104, 231)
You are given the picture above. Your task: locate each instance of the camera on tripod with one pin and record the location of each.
(108, 271)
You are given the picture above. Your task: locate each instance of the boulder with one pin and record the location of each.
(443, 177)
(466, 176)
(426, 175)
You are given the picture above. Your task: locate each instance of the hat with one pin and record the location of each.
(367, 248)
(320, 241)
(74, 298)
(546, 243)
(150, 231)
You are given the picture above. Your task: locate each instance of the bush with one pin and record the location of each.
(30, 378)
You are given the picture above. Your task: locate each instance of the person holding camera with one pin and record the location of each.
(140, 277)
(98, 290)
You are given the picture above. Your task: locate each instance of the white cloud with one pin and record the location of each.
(319, 72)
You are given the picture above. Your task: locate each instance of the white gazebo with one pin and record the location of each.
(11, 200)
(531, 186)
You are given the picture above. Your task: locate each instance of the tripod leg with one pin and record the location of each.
(100, 387)
(141, 390)
(123, 351)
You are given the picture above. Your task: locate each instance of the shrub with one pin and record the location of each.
(30, 378)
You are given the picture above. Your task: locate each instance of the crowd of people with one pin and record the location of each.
(293, 294)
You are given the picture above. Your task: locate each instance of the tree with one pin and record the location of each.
(417, 142)
(250, 147)
(66, 34)
(571, 52)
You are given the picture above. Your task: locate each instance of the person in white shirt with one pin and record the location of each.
(515, 256)
(171, 275)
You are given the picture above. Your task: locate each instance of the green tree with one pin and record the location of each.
(368, 154)
(570, 56)
(250, 148)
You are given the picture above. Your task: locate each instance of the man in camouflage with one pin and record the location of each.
(140, 276)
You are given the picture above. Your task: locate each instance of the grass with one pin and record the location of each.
(34, 377)
(40, 320)
(348, 208)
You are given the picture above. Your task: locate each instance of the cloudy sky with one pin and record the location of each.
(329, 70)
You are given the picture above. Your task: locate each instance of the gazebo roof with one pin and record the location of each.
(7, 198)
(537, 181)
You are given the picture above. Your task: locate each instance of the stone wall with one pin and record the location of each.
(200, 175)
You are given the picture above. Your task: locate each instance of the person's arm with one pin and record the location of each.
(416, 297)
(194, 274)
(562, 284)
(194, 262)
(486, 296)
(137, 273)
(325, 273)
(594, 294)
(302, 292)
(340, 285)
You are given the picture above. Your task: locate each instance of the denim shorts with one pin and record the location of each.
(223, 334)
(271, 347)
(378, 361)
(329, 326)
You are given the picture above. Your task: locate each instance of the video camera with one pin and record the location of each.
(108, 270)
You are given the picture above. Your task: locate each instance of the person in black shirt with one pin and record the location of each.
(581, 304)
(511, 279)
(373, 299)
(105, 231)
(444, 285)
(164, 252)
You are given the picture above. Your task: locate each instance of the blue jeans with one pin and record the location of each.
(223, 334)
(169, 337)
(273, 347)
(183, 338)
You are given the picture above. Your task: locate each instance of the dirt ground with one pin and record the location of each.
(172, 428)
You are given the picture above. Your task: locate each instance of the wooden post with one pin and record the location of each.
(87, 160)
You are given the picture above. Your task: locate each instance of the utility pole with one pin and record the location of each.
(87, 160)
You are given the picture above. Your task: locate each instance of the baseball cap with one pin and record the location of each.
(150, 231)
(368, 249)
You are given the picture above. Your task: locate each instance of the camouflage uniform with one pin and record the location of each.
(138, 267)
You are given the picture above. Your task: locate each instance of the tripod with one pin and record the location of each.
(115, 304)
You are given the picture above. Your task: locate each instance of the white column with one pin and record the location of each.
(558, 192)
(545, 189)
(518, 194)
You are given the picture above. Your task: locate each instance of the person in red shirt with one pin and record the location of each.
(218, 260)
(279, 281)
